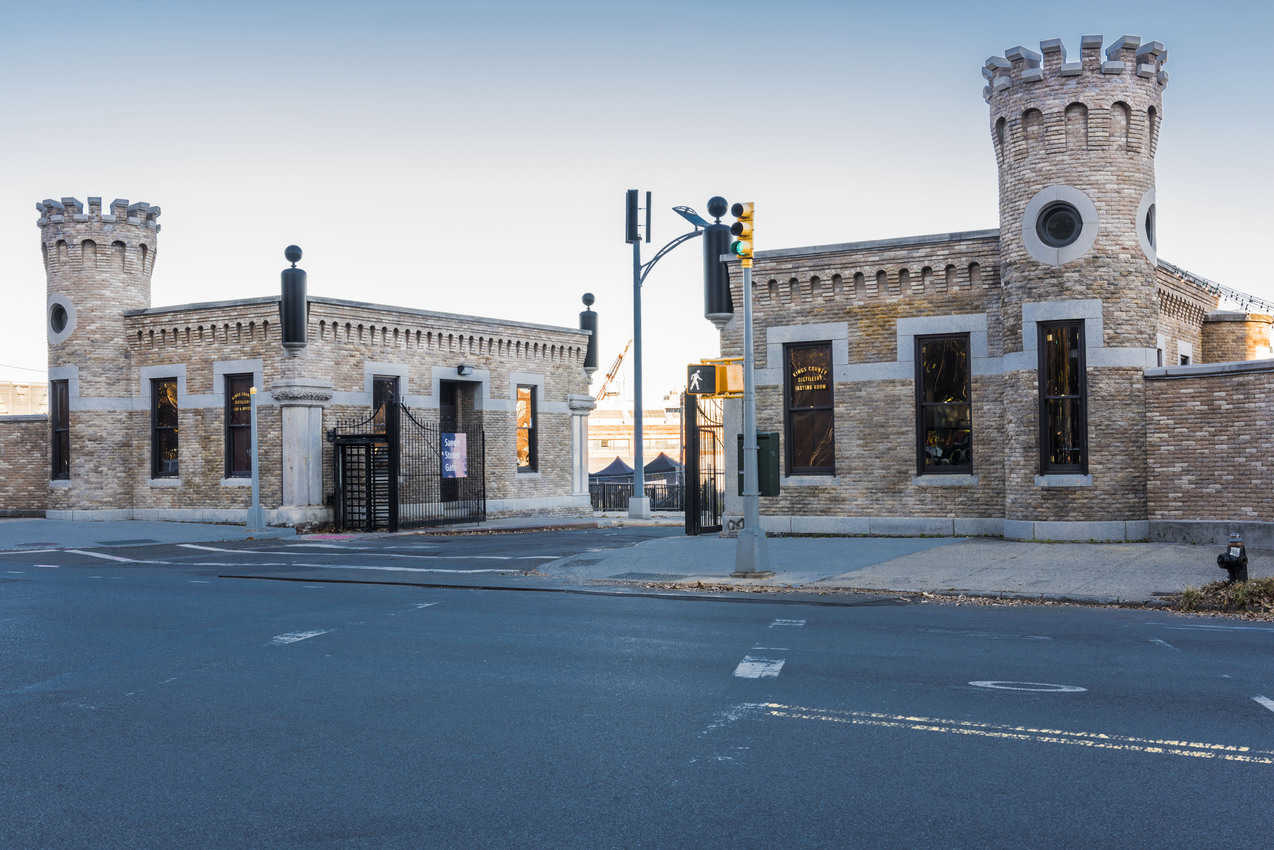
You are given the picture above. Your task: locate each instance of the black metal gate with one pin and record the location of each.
(439, 475)
(702, 434)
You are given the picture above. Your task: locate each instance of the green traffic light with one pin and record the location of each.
(740, 247)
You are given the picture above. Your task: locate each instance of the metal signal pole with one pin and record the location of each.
(751, 557)
(256, 516)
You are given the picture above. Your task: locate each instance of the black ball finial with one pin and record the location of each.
(293, 254)
(588, 299)
(717, 206)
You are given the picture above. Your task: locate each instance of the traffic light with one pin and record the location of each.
(742, 231)
(717, 303)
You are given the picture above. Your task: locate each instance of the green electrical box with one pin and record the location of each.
(767, 462)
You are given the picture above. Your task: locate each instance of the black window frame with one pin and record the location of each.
(385, 388)
(789, 465)
(155, 428)
(1045, 432)
(532, 430)
(231, 426)
(921, 405)
(60, 430)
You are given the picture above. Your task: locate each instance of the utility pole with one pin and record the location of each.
(752, 556)
(639, 503)
(256, 516)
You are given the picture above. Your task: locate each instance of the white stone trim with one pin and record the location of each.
(1054, 480)
(146, 374)
(1184, 349)
(1076, 532)
(59, 483)
(164, 482)
(806, 481)
(974, 324)
(939, 480)
(1161, 351)
(837, 333)
(540, 503)
(56, 337)
(1047, 254)
(221, 368)
(236, 482)
(542, 404)
(1147, 248)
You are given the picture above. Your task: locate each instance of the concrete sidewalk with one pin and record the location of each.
(27, 534)
(552, 523)
(1092, 572)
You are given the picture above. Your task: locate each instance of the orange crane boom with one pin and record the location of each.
(612, 372)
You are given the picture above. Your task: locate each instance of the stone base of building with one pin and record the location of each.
(285, 516)
(1101, 532)
(579, 505)
(1256, 535)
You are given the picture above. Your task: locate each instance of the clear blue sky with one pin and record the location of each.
(472, 157)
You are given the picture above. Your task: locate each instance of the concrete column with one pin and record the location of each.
(580, 406)
(301, 402)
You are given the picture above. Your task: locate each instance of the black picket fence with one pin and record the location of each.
(614, 496)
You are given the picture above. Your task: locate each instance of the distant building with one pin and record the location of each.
(23, 399)
(610, 431)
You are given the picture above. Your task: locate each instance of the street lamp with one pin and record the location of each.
(639, 504)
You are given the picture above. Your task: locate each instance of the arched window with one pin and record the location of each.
(882, 280)
(951, 278)
(975, 274)
(860, 285)
(1033, 131)
(1119, 124)
(88, 252)
(1152, 129)
(1077, 127)
(999, 136)
(926, 279)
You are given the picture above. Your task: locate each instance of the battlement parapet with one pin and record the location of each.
(71, 211)
(1126, 60)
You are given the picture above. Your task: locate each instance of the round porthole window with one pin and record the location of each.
(58, 318)
(1150, 225)
(1059, 224)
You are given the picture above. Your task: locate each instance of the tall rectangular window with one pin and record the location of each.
(528, 460)
(944, 417)
(1063, 398)
(238, 426)
(163, 428)
(384, 391)
(811, 444)
(60, 430)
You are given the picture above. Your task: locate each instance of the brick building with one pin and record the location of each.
(148, 413)
(1049, 379)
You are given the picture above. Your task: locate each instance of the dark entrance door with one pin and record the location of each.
(448, 423)
(702, 434)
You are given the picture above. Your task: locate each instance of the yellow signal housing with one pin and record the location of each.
(742, 231)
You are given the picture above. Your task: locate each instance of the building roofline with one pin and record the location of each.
(342, 302)
(899, 242)
(1237, 296)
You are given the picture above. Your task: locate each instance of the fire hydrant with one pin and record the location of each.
(1234, 559)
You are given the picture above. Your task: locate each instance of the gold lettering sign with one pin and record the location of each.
(809, 378)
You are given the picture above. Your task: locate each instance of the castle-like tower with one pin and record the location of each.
(97, 266)
(1075, 144)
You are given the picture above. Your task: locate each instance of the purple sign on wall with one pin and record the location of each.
(455, 455)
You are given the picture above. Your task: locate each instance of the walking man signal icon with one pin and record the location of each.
(701, 379)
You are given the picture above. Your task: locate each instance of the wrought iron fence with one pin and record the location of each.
(614, 496)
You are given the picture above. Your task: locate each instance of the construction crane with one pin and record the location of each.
(612, 372)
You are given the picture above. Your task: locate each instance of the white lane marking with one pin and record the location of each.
(312, 586)
(1036, 687)
(401, 569)
(773, 648)
(420, 605)
(1092, 740)
(1265, 701)
(293, 637)
(17, 572)
(103, 556)
(219, 549)
(198, 581)
(1224, 628)
(787, 624)
(752, 667)
(48, 566)
(170, 679)
(1159, 642)
(94, 576)
(326, 546)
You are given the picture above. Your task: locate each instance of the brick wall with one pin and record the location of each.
(24, 459)
(1210, 447)
(1228, 337)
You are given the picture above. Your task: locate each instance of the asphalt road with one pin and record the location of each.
(146, 702)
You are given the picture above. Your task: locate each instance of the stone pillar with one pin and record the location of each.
(580, 406)
(301, 402)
